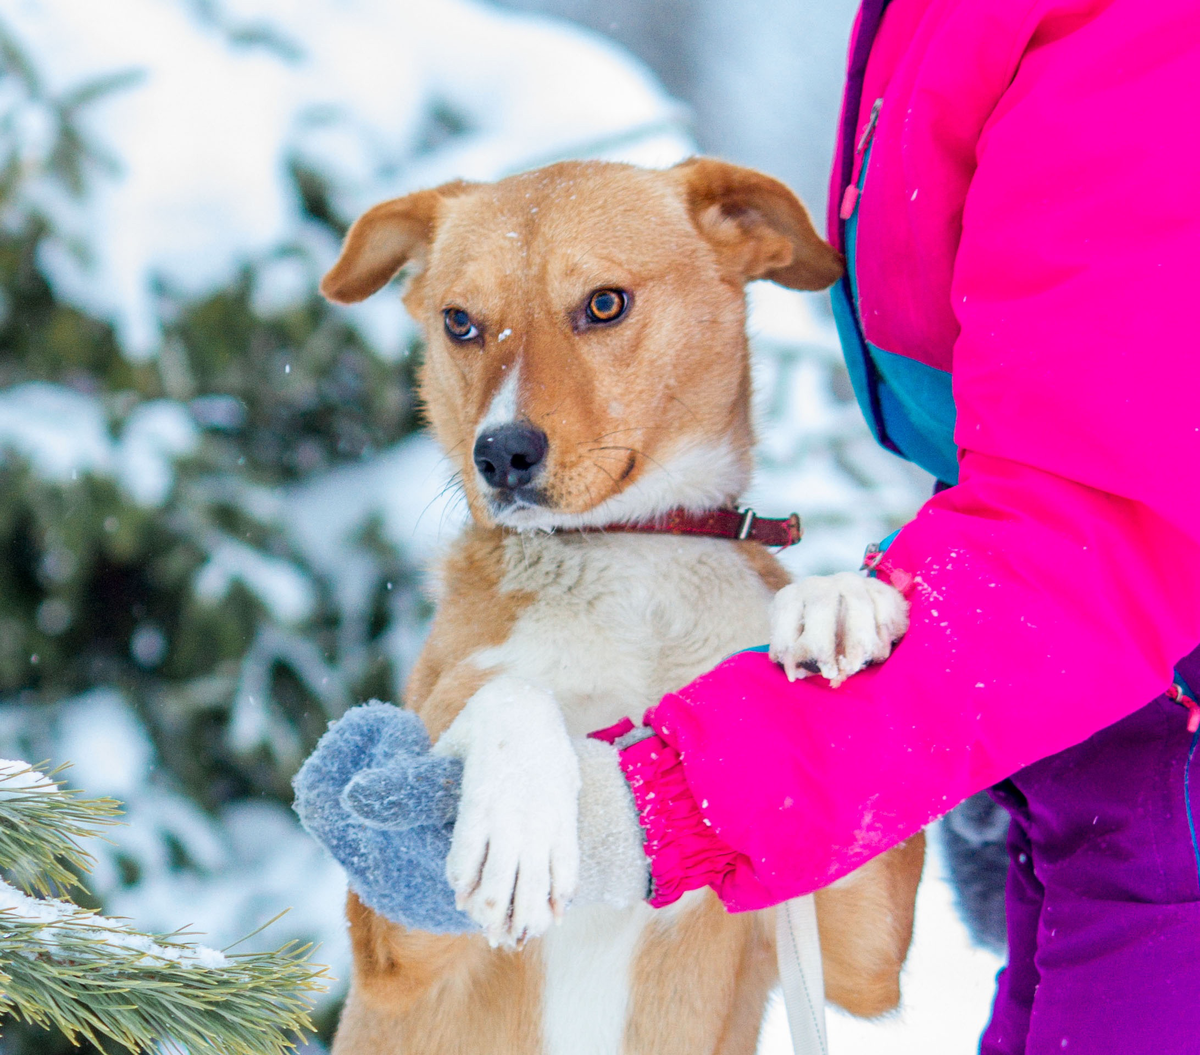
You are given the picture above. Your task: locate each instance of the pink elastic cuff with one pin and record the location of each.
(685, 853)
(610, 734)
(886, 571)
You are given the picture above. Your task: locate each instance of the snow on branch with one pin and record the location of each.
(40, 828)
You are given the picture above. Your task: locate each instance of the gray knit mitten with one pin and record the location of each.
(385, 807)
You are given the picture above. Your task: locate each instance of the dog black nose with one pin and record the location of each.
(509, 456)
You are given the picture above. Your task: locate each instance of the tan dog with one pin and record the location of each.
(587, 365)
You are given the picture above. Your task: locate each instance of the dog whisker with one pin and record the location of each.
(639, 454)
(634, 428)
(695, 418)
(605, 471)
(454, 484)
(459, 502)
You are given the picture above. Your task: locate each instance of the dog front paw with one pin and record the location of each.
(514, 857)
(835, 625)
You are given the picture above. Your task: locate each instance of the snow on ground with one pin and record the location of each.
(947, 989)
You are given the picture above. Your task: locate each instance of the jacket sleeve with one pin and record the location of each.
(1055, 587)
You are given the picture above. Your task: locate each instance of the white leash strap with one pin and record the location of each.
(800, 974)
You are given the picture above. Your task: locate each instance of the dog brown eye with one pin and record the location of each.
(607, 305)
(459, 325)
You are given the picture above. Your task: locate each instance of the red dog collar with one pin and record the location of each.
(742, 524)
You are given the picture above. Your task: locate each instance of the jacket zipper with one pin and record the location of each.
(850, 198)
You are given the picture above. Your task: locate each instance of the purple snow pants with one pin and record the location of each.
(1103, 895)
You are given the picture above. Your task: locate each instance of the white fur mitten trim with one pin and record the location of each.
(613, 868)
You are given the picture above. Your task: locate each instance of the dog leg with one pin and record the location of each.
(866, 921)
(514, 857)
(835, 623)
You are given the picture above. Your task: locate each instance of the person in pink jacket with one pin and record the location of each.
(1018, 198)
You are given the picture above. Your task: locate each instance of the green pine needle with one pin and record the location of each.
(76, 974)
(40, 829)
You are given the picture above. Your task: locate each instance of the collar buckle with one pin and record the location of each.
(746, 527)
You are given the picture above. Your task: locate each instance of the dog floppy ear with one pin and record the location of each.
(384, 239)
(757, 226)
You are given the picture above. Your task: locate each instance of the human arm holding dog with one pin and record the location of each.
(808, 782)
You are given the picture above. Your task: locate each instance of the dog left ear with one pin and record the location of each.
(383, 240)
(757, 226)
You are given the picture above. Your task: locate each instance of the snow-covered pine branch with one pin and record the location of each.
(40, 828)
(95, 977)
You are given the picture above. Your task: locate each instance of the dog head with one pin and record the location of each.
(586, 359)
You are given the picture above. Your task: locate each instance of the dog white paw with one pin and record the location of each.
(514, 856)
(835, 625)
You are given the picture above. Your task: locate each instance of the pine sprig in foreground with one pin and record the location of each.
(40, 832)
(96, 977)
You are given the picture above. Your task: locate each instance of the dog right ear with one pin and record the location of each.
(383, 240)
(757, 227)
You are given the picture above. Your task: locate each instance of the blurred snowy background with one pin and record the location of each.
(215, 506)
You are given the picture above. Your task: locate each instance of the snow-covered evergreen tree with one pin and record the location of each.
(158, 621)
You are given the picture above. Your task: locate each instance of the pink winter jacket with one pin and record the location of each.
(1032, 225)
